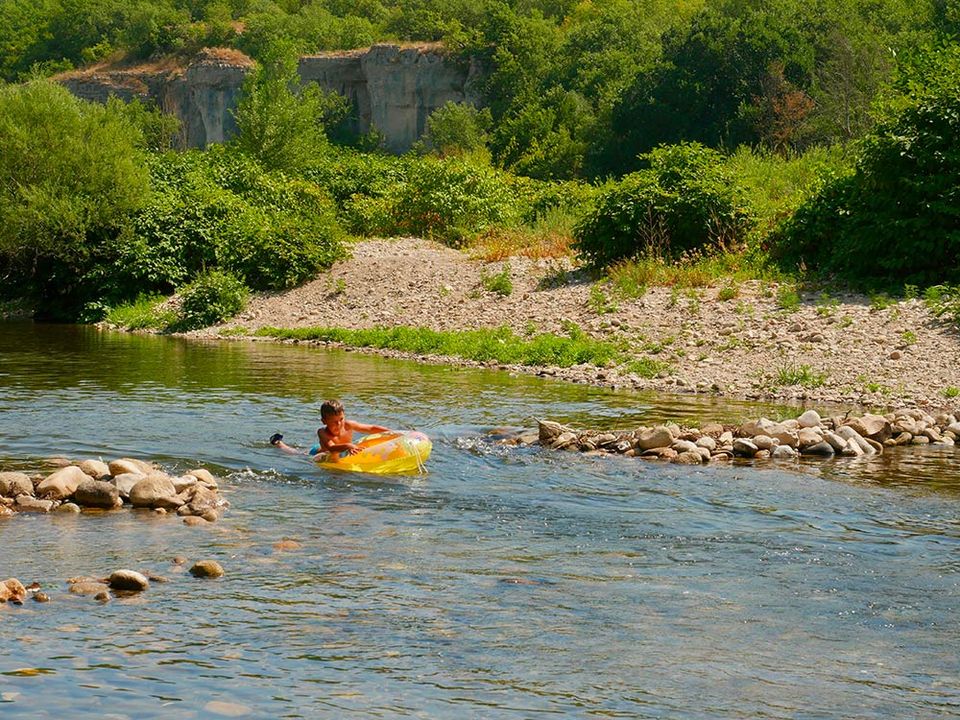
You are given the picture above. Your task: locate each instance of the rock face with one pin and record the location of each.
(391, 89)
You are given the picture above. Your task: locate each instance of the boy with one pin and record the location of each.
(336, 435)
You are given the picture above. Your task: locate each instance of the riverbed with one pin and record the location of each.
(505, 583)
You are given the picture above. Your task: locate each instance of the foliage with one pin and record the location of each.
(211, 298)
(500, 345)
(458, 128)
(71, 173)
(221, 209)
(802, 375)
(499, 283)
(452, 199)
(279, 122)
(684, 201)
(146, 312)
(896, 218)
(944, 301)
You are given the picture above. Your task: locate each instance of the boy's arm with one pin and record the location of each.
(364, 428)
(327, 446)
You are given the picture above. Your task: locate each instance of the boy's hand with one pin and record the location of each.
(352, 449)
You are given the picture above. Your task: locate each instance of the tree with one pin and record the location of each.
(71, 172)
(458, 128)
(280, 122)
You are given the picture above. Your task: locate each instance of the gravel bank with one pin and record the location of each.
(900, 355)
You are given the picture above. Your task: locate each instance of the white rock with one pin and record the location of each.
(809, 419)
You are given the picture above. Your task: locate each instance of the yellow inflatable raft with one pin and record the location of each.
(388, 453)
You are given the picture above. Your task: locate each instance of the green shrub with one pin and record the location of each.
(896, 218)
(685, 200)
(71, 173)
(212, 298)
(221, 209)
(499, 283)
(944, 301)
(453, 198)
(457, 128)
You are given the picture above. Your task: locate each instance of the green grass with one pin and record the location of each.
(944, 301)
(599, 301)
(776, 185)
(144, 313)
(499, 283)
(646, 367)
(499, 345)
(951, 392)
(788, 299)
(802, 375)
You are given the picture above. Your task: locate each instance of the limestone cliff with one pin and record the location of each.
(393, 89)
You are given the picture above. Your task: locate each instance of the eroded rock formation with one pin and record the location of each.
(390, 88)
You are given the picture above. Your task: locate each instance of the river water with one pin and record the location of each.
(506, 583)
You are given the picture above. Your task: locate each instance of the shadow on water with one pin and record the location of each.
(507, 582)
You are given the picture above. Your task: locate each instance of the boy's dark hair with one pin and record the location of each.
(331, 407)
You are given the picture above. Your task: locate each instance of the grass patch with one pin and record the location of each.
(499, 283)
(599, 301)
(144, 313)
(944, 301)
(802, 375)
(499, 345)
(646, 367)
(694, 269)
(788, 299)
(951, 392)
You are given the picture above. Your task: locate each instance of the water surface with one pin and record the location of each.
(507, 583)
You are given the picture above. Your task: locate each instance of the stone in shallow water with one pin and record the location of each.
(226, 709)
(128, 580)
(207, 569)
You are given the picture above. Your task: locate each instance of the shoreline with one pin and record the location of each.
(845, 350)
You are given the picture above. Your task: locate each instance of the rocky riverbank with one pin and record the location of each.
(759, 439)
(742, 342)
(91, 485)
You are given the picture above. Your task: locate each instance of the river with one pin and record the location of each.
(505, 583)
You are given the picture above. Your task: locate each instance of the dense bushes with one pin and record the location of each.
(896, 219)
(222, 209)
(71, 173)
(683, 201)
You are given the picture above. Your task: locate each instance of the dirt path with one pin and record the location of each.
(742, 347)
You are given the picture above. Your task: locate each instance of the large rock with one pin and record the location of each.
(28, 503)
(204, 476)
(15, 483)
(809, 419)
(128, 580)
(155, 490)
(808, 436)
(656, 437)
(130, 465)
(871, 426)
(202, 500)
(95, 468)
(97, 494)
(125, 482)
(549, 430)
(61, 484)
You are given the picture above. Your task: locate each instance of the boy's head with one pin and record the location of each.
(331, 408)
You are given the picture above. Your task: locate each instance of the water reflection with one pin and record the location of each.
(506, 583)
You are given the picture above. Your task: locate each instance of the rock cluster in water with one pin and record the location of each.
(807, 435)
(120, 583)
(93, 484)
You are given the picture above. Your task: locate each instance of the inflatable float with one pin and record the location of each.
(387, 453)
